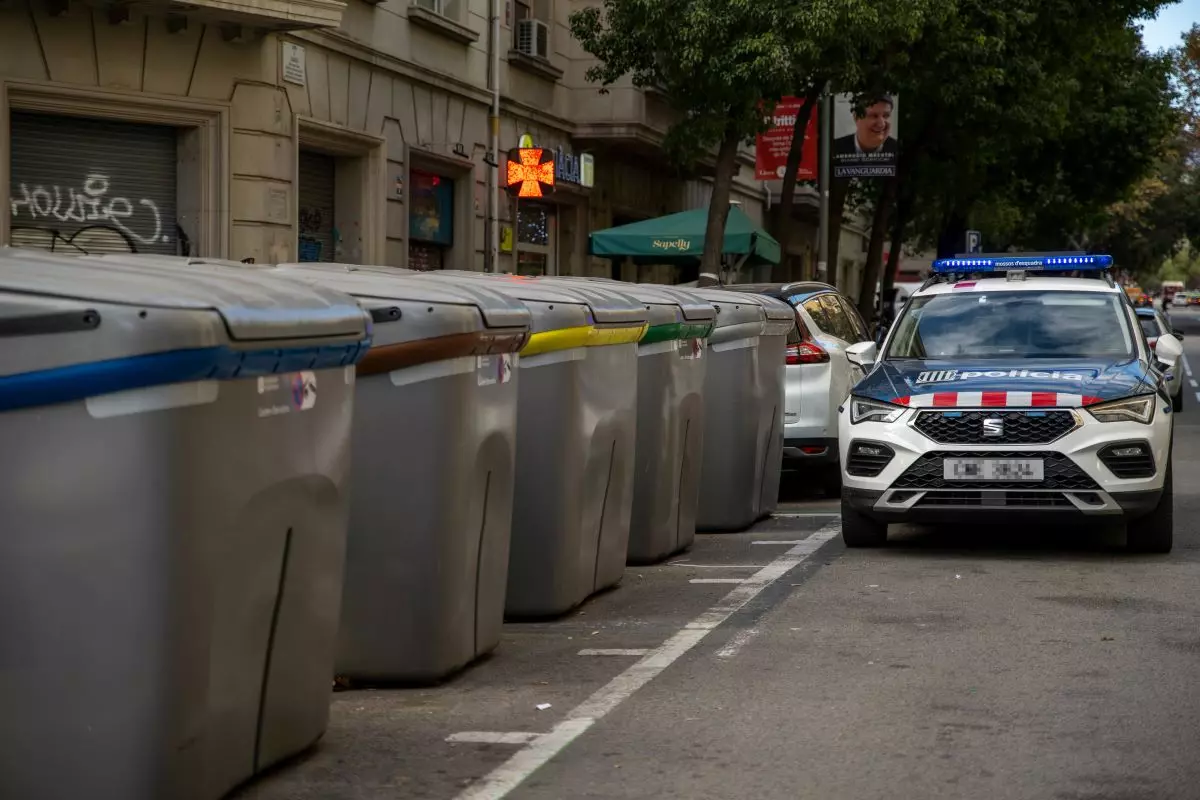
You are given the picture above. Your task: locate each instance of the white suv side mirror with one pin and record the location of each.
(863, 354)
(1168, 350)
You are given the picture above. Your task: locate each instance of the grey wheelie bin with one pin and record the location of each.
(174, 505)
(576, 428)
(743, 397)
(670, 419)
(435, 427)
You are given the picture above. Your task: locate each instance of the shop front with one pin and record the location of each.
(430, 220)
(544, 224)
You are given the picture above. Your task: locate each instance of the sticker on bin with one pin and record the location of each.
(494, 369)
(301, 388)
(691, 348)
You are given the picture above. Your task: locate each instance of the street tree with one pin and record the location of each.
(1010, 107)
(843, 45)
(713, 59)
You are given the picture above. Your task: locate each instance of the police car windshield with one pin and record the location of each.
(1008, 324)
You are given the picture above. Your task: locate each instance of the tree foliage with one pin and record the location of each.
(1032, 113)
(723, 63)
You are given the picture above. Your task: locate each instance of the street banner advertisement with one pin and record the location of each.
(865, 136)
(772, 146)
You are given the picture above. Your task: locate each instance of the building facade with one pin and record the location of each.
(357, 132)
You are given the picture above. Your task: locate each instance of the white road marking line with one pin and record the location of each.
(718, 580)
(601, 651)
(1198, 397)
(789, 541)
(737, 643)
(714, 566)
(823, 514)
(1194, 384)
(1186, 366)
(494, 737)
(512, 773)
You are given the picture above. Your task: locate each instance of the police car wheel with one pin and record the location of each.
(861, 531)
(1155, 532)
(1177, 401)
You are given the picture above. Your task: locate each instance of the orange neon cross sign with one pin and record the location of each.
(530, 173)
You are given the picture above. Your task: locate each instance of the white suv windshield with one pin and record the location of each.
(1026, 324)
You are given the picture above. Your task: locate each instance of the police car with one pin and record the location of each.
(1011, 387)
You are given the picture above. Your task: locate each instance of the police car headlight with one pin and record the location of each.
(1131, 409)
(873, 411)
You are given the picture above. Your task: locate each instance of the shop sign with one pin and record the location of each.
(568, 167)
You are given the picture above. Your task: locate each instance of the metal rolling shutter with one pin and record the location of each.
(92, 186)
(317, 173)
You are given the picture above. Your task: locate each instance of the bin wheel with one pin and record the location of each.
(859, 530)
(1155, 532)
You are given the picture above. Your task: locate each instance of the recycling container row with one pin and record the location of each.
(515, 441)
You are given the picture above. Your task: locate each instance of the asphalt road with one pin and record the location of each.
(956, 663)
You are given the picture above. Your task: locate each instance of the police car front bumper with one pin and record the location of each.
(1085, 474)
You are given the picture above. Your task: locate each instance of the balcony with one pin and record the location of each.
(237, 18)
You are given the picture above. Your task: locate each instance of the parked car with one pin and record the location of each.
(1154, 325)
(819, 375)
(1180, 299)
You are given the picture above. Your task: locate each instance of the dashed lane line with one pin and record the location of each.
(537, 752)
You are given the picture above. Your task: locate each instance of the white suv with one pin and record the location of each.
(1015, 386)
(818, 375)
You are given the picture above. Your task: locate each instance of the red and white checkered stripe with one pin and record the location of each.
(996, 400)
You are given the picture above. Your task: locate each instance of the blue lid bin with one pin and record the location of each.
(174, 496)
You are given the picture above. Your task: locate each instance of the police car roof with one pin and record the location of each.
(1032, 283)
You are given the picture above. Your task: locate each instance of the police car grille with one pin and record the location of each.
(1059, 472)
(980, 499)
(1020, 427)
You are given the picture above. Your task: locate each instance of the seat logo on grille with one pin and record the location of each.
(993, 428)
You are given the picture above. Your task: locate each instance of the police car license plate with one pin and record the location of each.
(993, 469)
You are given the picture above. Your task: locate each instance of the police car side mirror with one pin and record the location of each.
(863, 354)
(1168, 350)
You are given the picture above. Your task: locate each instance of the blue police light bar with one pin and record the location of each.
(1031, 263)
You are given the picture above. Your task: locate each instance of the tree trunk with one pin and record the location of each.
(899, 221)
(787, 196)
(879, 228)
(718, 210)
(952, 239)
(837, 207)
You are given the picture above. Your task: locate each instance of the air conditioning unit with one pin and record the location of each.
(436, 6)
(533, 38)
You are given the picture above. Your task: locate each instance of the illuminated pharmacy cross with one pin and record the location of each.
(530, 173)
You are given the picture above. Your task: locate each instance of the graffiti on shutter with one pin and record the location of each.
(93, 186)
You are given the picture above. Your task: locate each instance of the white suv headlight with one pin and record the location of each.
(1131, 409)
(873, 411)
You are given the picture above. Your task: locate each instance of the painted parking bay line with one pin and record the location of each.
(532, 756)
(493, 737)
(718, 580)
(613, 651)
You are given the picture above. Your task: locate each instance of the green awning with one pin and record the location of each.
(680, 238)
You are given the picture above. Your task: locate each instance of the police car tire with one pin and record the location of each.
(861, 531)
(1177, 401)
(1155, 532)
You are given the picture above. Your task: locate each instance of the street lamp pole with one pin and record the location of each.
(825, 131)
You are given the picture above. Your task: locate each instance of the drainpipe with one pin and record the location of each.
(493, 260)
